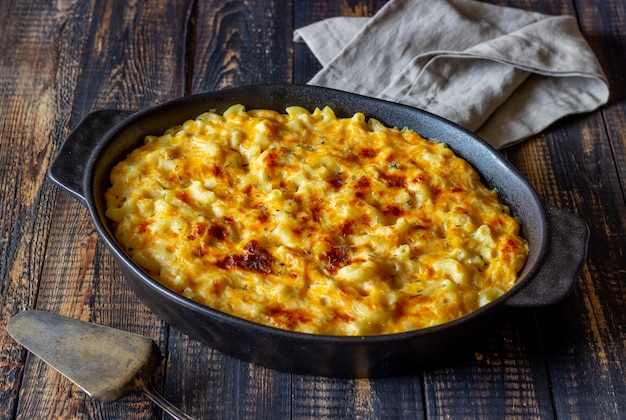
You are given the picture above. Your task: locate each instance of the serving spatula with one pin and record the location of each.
(106, 363)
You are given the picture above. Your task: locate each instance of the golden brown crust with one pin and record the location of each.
(311, 223)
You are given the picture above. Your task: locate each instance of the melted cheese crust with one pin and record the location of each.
(313, 223)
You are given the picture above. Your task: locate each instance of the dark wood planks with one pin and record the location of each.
(38, 39)
(317, 397)
(586, 334)
(488, 385)
(74, 57)
(232, 43)
(574, 166)
(109, 61)
(305, 12)
(507, 379)
(238, 43)
(210, 384)
(588, 155)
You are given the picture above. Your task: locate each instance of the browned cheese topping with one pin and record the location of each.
(313, 223)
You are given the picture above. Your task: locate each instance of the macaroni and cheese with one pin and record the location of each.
(312, 223)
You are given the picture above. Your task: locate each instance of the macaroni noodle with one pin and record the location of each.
(313, 223)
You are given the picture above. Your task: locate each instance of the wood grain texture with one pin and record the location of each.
(239, 43)
(567, 361)
(38, 40)
(122, 68)
(319, 397)
(306, 12)
(209, 384)
(505, 379)
(574, 166)
(232, 43)
(332, 398)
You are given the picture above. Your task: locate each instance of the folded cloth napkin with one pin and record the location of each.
(503, 73)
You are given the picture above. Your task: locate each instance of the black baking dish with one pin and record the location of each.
(557, 240)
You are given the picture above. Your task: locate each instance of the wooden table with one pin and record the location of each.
(61, 59)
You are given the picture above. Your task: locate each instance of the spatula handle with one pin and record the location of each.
(147, 388)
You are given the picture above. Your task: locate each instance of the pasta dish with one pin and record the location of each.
(309, 222)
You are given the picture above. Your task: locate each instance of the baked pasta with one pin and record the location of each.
(312, 223)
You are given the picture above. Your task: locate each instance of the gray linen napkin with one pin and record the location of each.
(503, 73)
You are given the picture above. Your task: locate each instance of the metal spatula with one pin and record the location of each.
(106, 363)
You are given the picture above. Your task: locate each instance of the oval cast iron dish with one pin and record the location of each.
(557, 240)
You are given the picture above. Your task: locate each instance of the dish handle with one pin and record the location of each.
(565, 257)
(67, 169)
